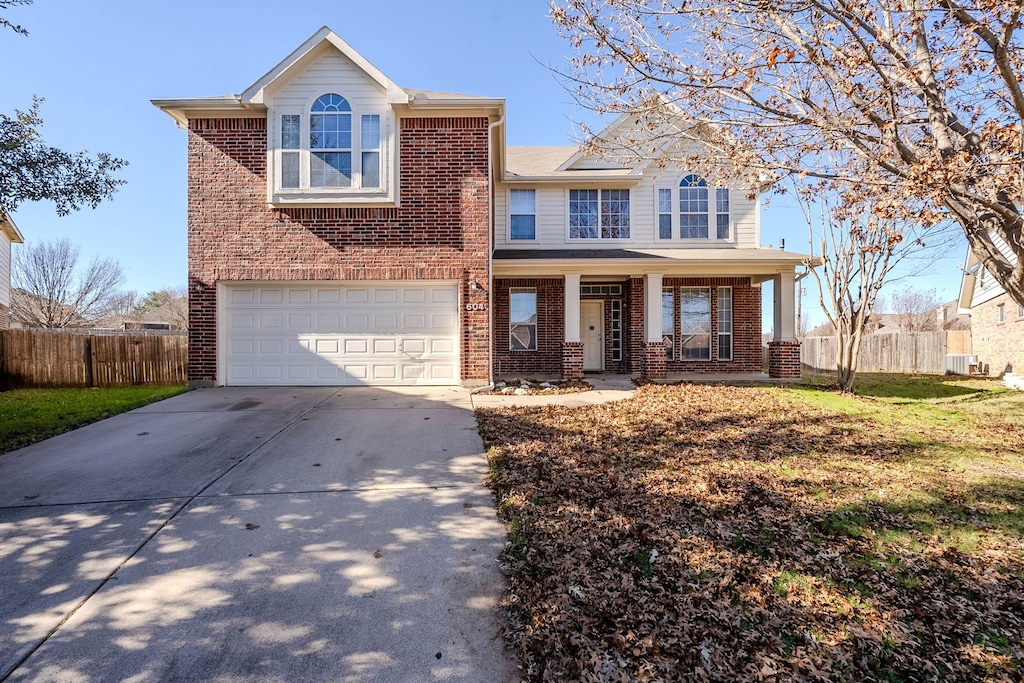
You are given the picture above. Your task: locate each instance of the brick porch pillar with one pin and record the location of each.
(655, 364)
(784, 359)
(572, 360)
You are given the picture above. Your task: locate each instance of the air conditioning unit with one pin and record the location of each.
(961, 363)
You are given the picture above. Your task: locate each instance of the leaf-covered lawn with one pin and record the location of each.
(30, 415)
(785, 534)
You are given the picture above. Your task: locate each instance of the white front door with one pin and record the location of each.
(592, 334)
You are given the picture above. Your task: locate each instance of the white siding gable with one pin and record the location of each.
(325, 70)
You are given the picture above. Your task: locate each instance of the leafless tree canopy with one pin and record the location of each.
(53, 288)
(916, 309)
(915, 105)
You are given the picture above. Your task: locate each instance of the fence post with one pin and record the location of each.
(89, 372)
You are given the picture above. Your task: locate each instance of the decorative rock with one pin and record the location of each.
(500, 385)
(522, 391)
(545, 385)
(509, 390)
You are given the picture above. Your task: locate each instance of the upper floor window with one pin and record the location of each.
(698, 217)
(523, 214)
(598, 214)
(342, 151)
(1001, 313)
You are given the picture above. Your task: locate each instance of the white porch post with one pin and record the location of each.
(785, 306)
(572, 307)
(652, 307)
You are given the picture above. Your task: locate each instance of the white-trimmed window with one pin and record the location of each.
(689, 211)
(522, 322)
(598, 214)
(522, 214)
(1001, 313)
(1020, 311)
(725, 323)
(695, 323)
(330, 148)
(668, 322)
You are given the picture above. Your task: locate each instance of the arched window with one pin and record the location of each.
(693, 208)
(330, 142)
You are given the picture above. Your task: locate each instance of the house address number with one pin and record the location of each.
(476, 307)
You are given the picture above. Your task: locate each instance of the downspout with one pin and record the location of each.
(490, 257)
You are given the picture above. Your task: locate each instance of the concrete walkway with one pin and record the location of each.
(255, 534)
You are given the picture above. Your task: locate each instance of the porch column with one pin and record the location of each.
(785, 307)
(784, 349)
(653, 366)
(572, 345)
(572, 307)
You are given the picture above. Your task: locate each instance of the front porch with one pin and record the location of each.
(668, 326)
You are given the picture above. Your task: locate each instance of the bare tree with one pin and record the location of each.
(920, 98)
(858, 251)
(915, 309)
(51, 288)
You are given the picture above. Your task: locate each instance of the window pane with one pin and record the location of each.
(330, 169)
(665, 226)
(290, 131)
(696, 347)
(289, 169)
(331, 102)
(330, 131)
(371, 169)
(615, 214)
(725, 323)
(524, 201)
(523, 319)
(370, 131)
(722, 211)
(695, 311)
(664, 201)
(668, 322)
(693, 225)
(524, 227)
(583, 214)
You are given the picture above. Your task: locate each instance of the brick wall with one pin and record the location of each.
(546, 361)
(5, 318)
(439, 232)
(746, 306)
(999, 346)
(784, 359)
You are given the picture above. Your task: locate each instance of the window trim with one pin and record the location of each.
(731, 334)
(711, 318)
(536, 314)
(670, 347)
(1001, 313)
(600, 191)
(672, 183)
(305, 193)
(1020, 312)
(508, 199)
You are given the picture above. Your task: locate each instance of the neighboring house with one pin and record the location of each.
(997, 321)
(8, 235)
(345, 230)
(943, 317)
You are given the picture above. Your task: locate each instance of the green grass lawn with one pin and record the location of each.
(767, 533)
(30, 415)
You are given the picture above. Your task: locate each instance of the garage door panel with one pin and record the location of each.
(341, 334)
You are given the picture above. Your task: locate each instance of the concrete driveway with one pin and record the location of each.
(271, 534)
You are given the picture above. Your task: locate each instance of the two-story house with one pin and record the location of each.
(345, 230)
(9, 235)
(997, 321)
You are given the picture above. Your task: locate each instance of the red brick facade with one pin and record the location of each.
(998, 345)
(784, 359)
(572, 360)
(5, 318)
(637, 356)
(439, 231)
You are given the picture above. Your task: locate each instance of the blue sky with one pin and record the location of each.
(99, 63)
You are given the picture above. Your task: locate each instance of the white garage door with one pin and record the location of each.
(331, 334)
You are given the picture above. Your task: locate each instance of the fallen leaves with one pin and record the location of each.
(722, 534)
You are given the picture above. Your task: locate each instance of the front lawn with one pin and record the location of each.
(30, 415)
(748, 533)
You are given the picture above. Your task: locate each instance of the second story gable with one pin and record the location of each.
(561, 197)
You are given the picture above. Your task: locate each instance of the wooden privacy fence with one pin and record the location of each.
(903, 352)
(54, 358)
